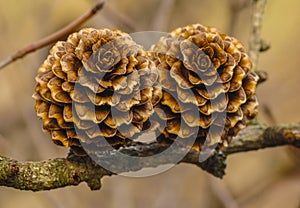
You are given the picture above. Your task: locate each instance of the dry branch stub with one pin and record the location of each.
(99, 89)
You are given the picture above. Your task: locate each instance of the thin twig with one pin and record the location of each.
(118, 18)
(235, 8)
(223, 193)
(53, 37)
(266, 109)
(258, 8)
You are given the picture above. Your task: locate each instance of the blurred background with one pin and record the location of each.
(267, 178)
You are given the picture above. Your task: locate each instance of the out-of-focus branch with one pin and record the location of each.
(256, 44)
(162, 15)
(53, 37)
(116, 17)
(256, 137)
(235, 7)
(61, 172)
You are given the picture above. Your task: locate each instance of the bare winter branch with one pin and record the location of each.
(61, 172)
(255, 42)
(53, 37)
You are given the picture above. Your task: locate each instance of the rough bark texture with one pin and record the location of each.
(61, 172)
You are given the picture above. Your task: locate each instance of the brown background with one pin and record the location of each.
(266, 178)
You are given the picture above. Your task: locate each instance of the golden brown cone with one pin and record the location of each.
(201, 67)
(97, 85)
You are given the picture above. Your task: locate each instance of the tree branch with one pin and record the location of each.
(61, 172)
(256, 44)
(256, 137)
(53, 37)
(49, 174)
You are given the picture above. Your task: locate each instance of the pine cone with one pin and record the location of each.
(97, 84)
(199, 66)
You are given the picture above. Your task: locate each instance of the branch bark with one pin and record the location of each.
(256, 44)
(62, 172)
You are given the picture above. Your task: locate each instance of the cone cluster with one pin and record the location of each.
(99, 88)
